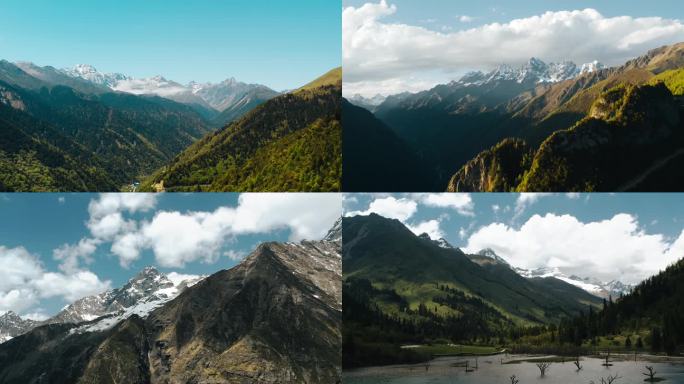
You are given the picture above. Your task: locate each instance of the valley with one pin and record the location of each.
(411, 300)
(540, 127)
(78, 129)
(290, 143)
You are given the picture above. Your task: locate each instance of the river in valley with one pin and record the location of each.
(491, 370)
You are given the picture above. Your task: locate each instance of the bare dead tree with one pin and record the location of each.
(607, 380)
(543, 367)
(650, 374)
(577, 363)
(514, 380)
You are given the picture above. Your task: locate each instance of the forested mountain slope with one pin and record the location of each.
(289, 143)
(59, 138)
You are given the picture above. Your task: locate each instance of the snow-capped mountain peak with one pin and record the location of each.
(488, 252)
(145, 291)
(372, 101)
(591, 67)
(614, 288)
(229, 93)
(335, 233)
(443, 243)
(532, 72)
(472, 77)
(12, 325)
(90, 73)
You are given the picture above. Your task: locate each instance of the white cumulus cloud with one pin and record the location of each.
(390, 207)
(70, 255)
(460, 202)
(24, 281)
(431, 227)
(616, 248)
(177, 238)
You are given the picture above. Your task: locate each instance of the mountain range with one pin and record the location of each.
(273, 318)
(145, 291)
(221, 103)
(72, 130)
(603, 289)
(606, 290)
(547, 127)
(400, 288)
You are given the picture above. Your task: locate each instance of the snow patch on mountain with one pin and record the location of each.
(147, 291)
(334, 233)
(441, 242)
(591, 67)
(367, 102)
(598, 288)
(488, 252)
(614, 288)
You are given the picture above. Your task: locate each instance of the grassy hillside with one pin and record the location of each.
(291, 142)
(331, 78)
(673, 79)
(400, 288)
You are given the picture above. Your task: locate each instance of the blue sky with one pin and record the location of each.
(185, 233)
(435, 13)
(392, 46)
(626, 236)
(282, 44)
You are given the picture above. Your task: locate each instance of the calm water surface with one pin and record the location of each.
(491, 371)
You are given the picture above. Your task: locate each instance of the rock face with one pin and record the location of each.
(274, 318)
